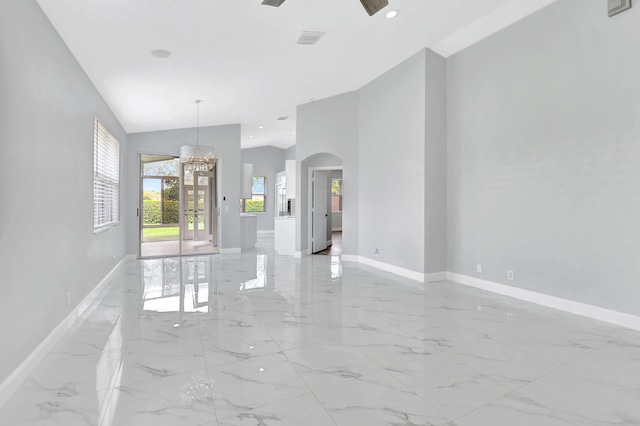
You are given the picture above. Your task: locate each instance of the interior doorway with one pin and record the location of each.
(335, 249)
(325, 210)
(320, 236)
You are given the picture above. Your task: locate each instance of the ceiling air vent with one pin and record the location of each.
(310, 37)
(284, 117)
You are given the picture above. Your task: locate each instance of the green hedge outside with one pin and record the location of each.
(253, 206)
(153, 215)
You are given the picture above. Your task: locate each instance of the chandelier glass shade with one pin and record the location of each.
(197, 158)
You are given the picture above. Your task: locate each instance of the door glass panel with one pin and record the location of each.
(201, 214)
(189, 214)
(200, 233)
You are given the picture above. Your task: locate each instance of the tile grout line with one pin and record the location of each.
(535, 380)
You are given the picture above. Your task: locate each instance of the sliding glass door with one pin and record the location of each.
(160, 205)
(178, 208)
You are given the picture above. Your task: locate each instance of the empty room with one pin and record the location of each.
(319, 212)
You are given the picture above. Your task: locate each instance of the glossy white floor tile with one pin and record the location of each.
(260, 339)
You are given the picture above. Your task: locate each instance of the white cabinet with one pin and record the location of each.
(284, 235)
(248, 231)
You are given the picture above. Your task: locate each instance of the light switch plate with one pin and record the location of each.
(618, 6)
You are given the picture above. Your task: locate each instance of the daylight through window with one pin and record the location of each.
(336, 195)
(106, 178)
(256, 203)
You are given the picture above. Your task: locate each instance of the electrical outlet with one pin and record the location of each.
(510, 275)
(113, 257)
(479, 268)
(68, 298)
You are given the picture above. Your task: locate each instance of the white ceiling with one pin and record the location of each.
(240, 57)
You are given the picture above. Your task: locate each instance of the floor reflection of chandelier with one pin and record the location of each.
(198, 389)
(197, 158)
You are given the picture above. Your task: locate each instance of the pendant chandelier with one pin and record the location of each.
(197, 158)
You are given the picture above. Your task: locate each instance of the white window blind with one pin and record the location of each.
(106, 178)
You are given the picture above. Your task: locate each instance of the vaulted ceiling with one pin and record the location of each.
(242, 60)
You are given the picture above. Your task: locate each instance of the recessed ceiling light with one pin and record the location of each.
(250, 136)
(261, 127)
(392, 13)
(160, 53)
(288, 133)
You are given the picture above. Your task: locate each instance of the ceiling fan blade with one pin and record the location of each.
(374, 6)
(371, 6)
(275, 3)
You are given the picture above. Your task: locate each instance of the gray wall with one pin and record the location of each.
(391, 174)
(544, 152)
(329, 126)
(290, 153)
(267, 161)
(47, 244)
(397, 195)
(435, 166)
(225, 140)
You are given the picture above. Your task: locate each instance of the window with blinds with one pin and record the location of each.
(106, 178)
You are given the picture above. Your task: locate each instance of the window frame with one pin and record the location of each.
(106, 178)
(243, 201)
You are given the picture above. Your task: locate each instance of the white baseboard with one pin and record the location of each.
(403, 272)
(233, 250)
(578, 308)
(76, 316)
(265, 232)
(435, 276)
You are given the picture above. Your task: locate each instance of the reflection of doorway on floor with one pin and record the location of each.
(335, 249)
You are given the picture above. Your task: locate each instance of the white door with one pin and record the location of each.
(200, 223)
(320, 210)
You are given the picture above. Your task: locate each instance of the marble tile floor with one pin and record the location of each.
(265, 340)
(172, 248)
